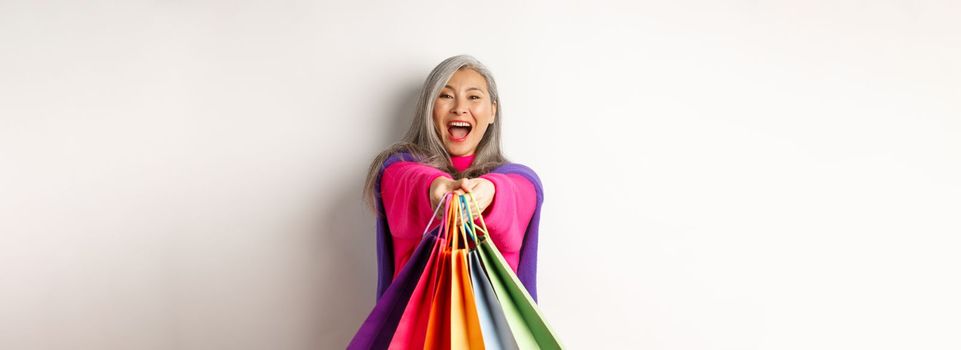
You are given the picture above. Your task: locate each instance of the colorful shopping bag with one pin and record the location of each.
(412, 328)
(379, 327)
(464, 324)
(494, 327)
(438, 324)
(456, 292)
(528, 326)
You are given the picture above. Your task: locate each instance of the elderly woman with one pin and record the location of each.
(453, 145)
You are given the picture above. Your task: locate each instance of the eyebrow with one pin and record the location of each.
(468, 89)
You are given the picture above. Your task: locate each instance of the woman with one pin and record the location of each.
(453, 145)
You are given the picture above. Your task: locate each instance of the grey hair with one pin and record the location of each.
(422, 139)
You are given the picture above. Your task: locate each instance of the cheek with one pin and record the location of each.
(479, 131)
(484, 114)
(440, 109)
(437, 118)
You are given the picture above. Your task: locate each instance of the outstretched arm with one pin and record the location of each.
(406, 192)
(411, 190)
(512, 200)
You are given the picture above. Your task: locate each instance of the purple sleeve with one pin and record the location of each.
(527, 266)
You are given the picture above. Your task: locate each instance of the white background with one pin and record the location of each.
(717, 174)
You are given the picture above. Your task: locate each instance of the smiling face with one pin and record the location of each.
(462, 112)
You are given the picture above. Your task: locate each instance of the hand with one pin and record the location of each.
(482, 189)
(443, 185)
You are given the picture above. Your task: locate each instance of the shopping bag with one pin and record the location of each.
(380, 325)
(528, 326)
(494, 327)
(464, 324)
(412, 327)
(438, 323)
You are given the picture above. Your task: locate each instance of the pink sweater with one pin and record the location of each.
(405, 190)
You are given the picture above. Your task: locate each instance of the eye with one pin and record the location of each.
(475, 97)
(445, 95)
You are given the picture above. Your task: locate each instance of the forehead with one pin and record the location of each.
(467, 79)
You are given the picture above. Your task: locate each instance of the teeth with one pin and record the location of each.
(464, 124)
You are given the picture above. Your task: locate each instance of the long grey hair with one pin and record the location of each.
(423, 139)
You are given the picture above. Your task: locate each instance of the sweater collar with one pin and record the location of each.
(462, 162)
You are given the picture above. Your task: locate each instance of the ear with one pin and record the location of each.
(493, 111)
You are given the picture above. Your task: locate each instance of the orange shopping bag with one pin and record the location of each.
(464, 324)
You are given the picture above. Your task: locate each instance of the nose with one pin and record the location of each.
(460, 107)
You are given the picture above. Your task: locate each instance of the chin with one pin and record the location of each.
(458, 149)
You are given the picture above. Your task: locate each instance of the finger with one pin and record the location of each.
(465, 184)
(478, 184)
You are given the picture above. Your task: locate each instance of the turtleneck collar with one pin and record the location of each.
(462, 162)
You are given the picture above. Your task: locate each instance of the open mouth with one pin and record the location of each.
(458, 130)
